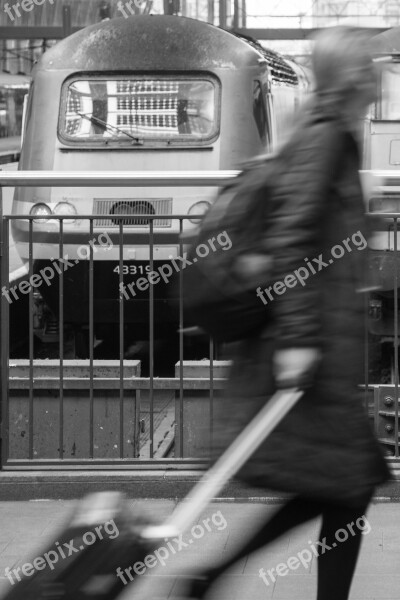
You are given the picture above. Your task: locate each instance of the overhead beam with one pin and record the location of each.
(34, 32)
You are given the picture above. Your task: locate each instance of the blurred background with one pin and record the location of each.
(281, 24)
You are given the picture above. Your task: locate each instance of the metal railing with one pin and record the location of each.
(62, 383)
(123, 387)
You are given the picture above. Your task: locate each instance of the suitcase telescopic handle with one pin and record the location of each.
(234, 457)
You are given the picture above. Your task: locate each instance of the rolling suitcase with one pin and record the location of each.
(79, 566)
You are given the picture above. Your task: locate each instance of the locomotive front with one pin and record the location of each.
(140, 94)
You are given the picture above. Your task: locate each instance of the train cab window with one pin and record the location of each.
(162, 110)
(259, 112)
(390, 93)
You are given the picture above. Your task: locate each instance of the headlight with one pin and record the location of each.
(65, 208)
(41, 209)
(200, 208)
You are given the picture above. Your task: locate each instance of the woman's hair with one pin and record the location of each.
(342, 63)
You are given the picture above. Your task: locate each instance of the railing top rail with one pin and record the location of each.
(382, 178)
(384, 215)
(94, 216)
(148, 178)
(116, 178)
(149, 217)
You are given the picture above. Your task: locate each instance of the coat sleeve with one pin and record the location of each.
(294, 233)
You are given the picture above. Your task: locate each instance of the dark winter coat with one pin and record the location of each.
(325, 447)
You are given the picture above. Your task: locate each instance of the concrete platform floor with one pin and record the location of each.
(26, 528)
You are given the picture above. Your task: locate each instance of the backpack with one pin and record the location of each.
(220, 287)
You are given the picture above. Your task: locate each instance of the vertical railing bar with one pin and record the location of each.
(376, 410)
(366, 352)
(5, 336)
(396, 342)
(211, 394)
(121, 338)
(151, 344)
(181, 429)
(30, 333)
(3, 371)
(91, 343)
(61, 340)
(136, 428)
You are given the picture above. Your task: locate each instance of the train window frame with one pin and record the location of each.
(143, 143)
(27, 111)
(378, 106)
(263, 129)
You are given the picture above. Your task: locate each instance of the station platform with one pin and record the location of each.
(28, 527)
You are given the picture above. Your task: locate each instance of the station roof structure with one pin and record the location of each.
(44, 22)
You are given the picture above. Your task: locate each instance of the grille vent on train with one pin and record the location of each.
(136, 208)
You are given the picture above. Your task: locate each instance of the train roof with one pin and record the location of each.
(280, 68)
(158, 42)
(386, 42)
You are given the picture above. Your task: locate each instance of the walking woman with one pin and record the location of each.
(324, 452)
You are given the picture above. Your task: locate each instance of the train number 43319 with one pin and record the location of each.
(133, 269)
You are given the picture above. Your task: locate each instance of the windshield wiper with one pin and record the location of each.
(107, 126)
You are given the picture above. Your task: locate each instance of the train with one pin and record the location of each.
(13, 90)
(381, 151)
(144, 93)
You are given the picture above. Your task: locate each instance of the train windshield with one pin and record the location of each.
(11, 108)
(390, 93)
(140, 110)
